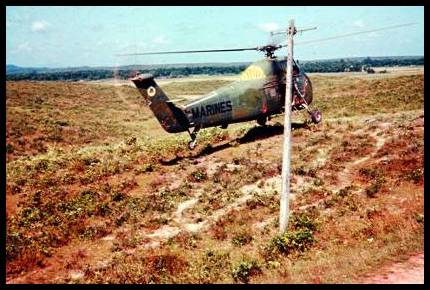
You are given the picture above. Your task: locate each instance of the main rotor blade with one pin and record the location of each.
(190, 51)
(355, 33)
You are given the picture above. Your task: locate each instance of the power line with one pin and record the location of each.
(354, 33)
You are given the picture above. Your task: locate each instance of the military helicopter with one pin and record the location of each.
(259, 94)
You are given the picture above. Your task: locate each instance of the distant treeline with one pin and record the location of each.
(338, 65)
(125, 73)
(342, 65)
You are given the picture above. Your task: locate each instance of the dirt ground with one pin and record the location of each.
(167, 215)
(409, 272)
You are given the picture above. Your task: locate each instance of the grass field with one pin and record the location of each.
(97, 192)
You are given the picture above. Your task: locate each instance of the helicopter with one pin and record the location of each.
(258, 94)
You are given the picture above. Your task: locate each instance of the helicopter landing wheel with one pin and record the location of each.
(316, 116)
(192, 144)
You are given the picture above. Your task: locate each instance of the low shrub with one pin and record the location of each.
(415, 175)
(304, 221)
(242, 238)
(295, 241)
(197, 176)
(369, 172)
(245, 270)
(374, 188)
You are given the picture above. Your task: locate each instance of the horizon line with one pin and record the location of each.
(201, 63)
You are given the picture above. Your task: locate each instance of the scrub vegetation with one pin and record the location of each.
(97, 192)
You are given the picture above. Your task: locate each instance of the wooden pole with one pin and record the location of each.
(286, 158)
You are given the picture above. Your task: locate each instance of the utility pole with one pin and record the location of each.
(286, 158)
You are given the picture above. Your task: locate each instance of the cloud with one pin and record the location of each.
(359, 23)
(97, 27)
(39, 26)
(22, 47)
(185, 27)
(161, 39)
(267, 27)
(373, 35)
(131, 47)
(15, 20)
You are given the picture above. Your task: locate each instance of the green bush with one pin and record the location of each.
(343, 192)
(305, 171)
(241, 239)
(103, 209)
(419, 217)
(213, 266)
(245, 269)
(259, 200)
(318, 181)
(88, 161)
(416, 175)
(198, 176)
(303, 221)
(118, 196)
(147, 167)
(375, 187)
(10, 148)
(369, 172)
(30, 215)
(296, 241)
(61, 123)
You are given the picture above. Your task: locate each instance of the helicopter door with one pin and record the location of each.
(271, 97)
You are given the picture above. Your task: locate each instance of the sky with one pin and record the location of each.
(92, 36)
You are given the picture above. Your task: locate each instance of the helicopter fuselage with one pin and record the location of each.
(259, 93)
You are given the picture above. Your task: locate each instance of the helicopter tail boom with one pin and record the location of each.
(171, 118)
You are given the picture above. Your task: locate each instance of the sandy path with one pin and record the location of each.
(409, 272)
(345, 177)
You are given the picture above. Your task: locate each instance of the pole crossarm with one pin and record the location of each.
(297, 31)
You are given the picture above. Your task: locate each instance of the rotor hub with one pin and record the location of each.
(269, 50)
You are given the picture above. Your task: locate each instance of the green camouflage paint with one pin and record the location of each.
(259, 92)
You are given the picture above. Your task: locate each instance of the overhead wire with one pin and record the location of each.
(353, 33)
(278, 46)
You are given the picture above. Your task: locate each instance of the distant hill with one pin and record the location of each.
(13, 69)
(14, 72)
(357, 63)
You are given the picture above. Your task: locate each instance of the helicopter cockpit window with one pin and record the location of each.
(296, 70)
